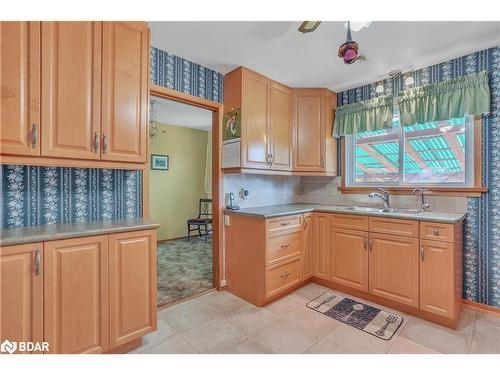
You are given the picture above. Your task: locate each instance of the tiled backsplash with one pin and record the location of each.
(264, 190)
(325, 190)
(271, 190)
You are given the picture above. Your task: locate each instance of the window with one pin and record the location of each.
(432, 154)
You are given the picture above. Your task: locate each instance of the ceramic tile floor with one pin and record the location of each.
(219, 322)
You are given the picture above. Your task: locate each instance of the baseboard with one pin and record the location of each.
(481, 307)
(170, 239)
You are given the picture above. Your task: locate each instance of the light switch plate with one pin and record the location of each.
(226, 220)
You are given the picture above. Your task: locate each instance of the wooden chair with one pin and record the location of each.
(204, 219)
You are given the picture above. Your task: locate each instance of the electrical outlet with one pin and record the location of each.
(223, 283)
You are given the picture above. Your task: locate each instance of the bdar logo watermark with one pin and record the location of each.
(23, 346)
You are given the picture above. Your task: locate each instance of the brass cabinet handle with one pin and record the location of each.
(422, 252)
(322, 162)
(96, 142)
(364, 243)
(371, 243)
(435, 232)
(37, 262)
(284, 224)
(104, 143)
(34, 135)
(283, 275)
(284, 246)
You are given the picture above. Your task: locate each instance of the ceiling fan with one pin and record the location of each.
(348, 51)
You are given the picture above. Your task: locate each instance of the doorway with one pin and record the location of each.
(184, 194)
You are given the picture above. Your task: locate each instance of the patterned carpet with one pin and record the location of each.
(184, 269)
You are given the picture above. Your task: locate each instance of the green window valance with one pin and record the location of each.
(458, 97)
(373, 114)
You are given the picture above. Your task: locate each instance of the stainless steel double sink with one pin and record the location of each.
(405, 211)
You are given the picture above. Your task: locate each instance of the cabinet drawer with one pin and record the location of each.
(282, 276)
(350, 222)
(283, 247)
(437, 231)
(400, 227)
(284, 224)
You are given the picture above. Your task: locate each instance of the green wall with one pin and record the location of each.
(174, 194)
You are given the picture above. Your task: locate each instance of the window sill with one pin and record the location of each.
(448, 192)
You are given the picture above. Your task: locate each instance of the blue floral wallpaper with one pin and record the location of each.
(185, 76)
(482, 227)
(47, 195)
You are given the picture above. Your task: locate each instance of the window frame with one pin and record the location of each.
(474, 186)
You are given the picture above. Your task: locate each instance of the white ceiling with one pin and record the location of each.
(279, 51)
(180, 114)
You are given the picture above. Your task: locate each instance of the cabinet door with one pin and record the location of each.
(307, 240)
(349, 258)
(321, 230)
(281, 127)
(125, 72)
(132, 285)
(437, 294)
(255, 120)
(309, 130)
(21, 281)
(394, 268)
(71, 89)
(76, 295)
(20, 88)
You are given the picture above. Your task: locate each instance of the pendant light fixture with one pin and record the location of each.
(348, 51)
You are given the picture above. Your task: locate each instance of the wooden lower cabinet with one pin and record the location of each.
(393, 264)
(76, 295)
(437, 277)
(132, 285)
(21, 281)
(81, 295)
(307, 246)
(349, 258)
(283, 276)
(321, 241)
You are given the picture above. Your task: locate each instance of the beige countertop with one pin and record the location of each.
(42, 233)
(267, 212)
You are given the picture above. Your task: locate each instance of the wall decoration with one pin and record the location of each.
(482, 226)
(47, 195)
(160, 162)
(232, 125)
(185, 76)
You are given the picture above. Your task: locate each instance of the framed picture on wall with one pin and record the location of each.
(159, 162)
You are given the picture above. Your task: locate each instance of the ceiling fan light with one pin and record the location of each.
(308, 26)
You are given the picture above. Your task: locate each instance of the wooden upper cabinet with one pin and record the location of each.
(280, 145)
(321, 244)
(76, 295)
(349, 258)
(20, 88)
(21, 283)
(314, 148)
(71, 89)
(255, 119)
(309, 127)
(437, 277)
(394, 268)
(266, 119)
(132, 285)
(125, 72)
